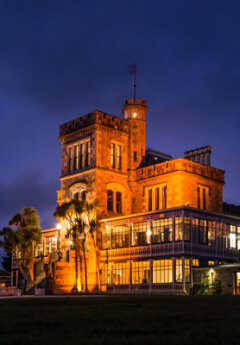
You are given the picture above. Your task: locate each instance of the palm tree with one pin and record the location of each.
(80, 224)
(71, 212)
(90, 211)
(22, 236)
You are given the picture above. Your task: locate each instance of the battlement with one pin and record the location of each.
(183, 165)
(96, 117)
(139, 101)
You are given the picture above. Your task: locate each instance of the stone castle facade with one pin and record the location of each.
(161, 218)
(104, 157)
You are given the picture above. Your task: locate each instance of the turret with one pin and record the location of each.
(135, 112)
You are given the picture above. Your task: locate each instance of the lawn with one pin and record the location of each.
(121, 320)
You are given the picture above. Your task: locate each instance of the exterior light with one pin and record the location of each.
(134, 115)
(59, 226)
(54, 239)
(107, 227)
(149, 232)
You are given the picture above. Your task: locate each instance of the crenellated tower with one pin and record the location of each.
(135, 113)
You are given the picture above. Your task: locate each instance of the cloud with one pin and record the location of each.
(28, 189)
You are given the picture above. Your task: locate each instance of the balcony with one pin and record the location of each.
(170, 249)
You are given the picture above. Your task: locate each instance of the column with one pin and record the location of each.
(151, 275)
(183, 273)
(130, 276)
(191, 272)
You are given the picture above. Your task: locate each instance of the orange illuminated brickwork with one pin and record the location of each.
(155, 210)
(104, 157)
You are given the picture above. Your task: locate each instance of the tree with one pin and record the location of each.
(80, 217)
(90, 211)
(21, 238)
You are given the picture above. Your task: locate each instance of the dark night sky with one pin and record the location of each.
(62, 59)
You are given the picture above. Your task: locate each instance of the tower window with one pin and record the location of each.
(87, 153)
(81, 156)
(83, 195)
(75, 163)
(119, 202)
(110, 200)
(112, 155)
(76, 196)
(70, 161)
(119, 157)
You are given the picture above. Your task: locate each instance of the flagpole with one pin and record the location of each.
(134, 83)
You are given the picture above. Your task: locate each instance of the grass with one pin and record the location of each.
(121, 320)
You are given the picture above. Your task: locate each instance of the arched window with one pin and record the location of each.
(76, 196)
(83, 195)
(110, 200)
(119, 202)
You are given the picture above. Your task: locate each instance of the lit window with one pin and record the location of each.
(187, 270)
(179, 277)
(162, 230)
(139, 234)
(140, 272)
(178, 229)
(120, 237)
(162, 271)
(195, 262)
(202, 231)
(232, 237)
(211, 233)
(120, 273)
(50, 245)
(187, 229)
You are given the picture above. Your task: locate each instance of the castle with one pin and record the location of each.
(162, 218)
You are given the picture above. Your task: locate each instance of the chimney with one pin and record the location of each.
(201, 155)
